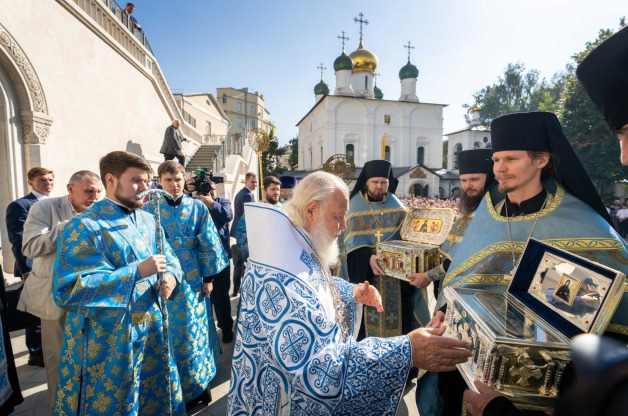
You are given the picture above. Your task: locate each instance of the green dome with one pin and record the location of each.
(343, 62)
(408, 71)
(321, 88)
(378, 93)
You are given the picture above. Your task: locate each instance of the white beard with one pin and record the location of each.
(325, 245)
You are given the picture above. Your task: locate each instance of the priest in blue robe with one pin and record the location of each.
(297, 322)
(375, 215)
(116, 357)
(191, 233)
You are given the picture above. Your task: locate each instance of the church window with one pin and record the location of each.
(366, 82)
(208, 128)
(476, 145)
(239, 107)
(350, 152)
(420, 155)
(321, 155)
(387, 153)
(252, 124)
(224, 98)
(387, 118)
(457, 150)
(311, 160)
(240, 122)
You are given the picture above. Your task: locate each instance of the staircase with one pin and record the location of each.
(203, 158)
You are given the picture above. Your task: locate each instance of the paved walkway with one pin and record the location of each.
(35, 392)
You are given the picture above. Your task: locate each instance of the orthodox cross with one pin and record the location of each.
(361, 21)
(344, 39)
(322, 68)
(375, 75)
(408, 47)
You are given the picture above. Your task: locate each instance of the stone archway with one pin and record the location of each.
(24, 125)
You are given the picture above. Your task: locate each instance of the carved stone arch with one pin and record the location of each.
(34, 115)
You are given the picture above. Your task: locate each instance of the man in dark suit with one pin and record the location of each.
(41, 180)
(171, 147)
(220, 210)
(245, 195)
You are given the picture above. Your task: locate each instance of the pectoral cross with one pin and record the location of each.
(379, 234)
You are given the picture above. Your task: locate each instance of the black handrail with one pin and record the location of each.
(126, 21)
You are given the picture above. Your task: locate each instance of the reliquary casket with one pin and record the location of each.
(521, 338)
(422, 232)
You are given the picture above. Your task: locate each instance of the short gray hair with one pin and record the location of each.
(82, 174)
(318, 186)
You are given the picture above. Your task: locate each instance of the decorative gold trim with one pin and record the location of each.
(571, 244)
(553, 201)
(368, 213)
(368, 232)
(617, 328)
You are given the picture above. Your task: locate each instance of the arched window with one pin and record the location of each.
(420, 155)
(387, 153)
(311, 160)
(322, 161)
(350, 152)
(457, 150)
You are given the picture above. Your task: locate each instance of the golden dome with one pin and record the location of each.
(363, 59)
(475, 109)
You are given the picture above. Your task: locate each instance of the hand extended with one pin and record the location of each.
(207, 289)
(374, 263)
(432, 352)
(436, 320)
(419, 280)
(207, 200)
(368, 295)
(477, 402)
(167, 286)
(152, 265)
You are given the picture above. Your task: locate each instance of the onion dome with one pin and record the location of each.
(408, 71)
(343, 62)
(363, 59)
(321, 88)
(378, 93)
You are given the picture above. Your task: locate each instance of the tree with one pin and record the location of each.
(271, 158)
(596, 146)
(515, 91)
(293, 146)
(445, 149)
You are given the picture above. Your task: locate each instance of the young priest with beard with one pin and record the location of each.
(476, 175)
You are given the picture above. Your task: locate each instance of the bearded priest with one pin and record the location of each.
(297, 323)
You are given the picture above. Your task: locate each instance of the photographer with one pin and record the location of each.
(220, 211)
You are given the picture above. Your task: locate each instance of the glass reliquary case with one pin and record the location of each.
(422, 232)
(521, 338)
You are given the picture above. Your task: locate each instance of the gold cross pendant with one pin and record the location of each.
(378, 234)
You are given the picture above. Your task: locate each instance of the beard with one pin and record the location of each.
(504, 189)
(470, 203)
(130, 203)
(325, 245)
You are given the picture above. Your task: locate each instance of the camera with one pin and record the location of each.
(202, 181)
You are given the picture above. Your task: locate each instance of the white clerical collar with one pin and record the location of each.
(40, 196)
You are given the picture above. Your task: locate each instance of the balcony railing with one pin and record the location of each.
(188, 118)
(213, 139)
(126, 21)
(232, 145)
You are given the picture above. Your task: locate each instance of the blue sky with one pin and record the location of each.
(275, 46)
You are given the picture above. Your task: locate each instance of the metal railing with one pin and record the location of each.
(188, 118)
(128, 22)
(232, 145)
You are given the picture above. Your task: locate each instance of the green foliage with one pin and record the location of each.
(596, 146)
(515, 91)
(445, 147)
(271, 158)
(293, 148)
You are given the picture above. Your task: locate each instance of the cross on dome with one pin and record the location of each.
(408, 46)
(361, 21)
(344, 39)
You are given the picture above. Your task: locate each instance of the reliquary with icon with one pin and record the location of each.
(521, 338)
(422, 232)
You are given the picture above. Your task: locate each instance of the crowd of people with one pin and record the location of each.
(121, 288)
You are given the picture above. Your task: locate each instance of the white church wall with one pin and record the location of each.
(99, 101)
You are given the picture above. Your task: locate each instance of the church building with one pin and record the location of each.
(358, 122)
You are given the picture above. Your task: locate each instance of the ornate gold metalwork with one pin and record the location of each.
(341, 166)
(260, 142)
